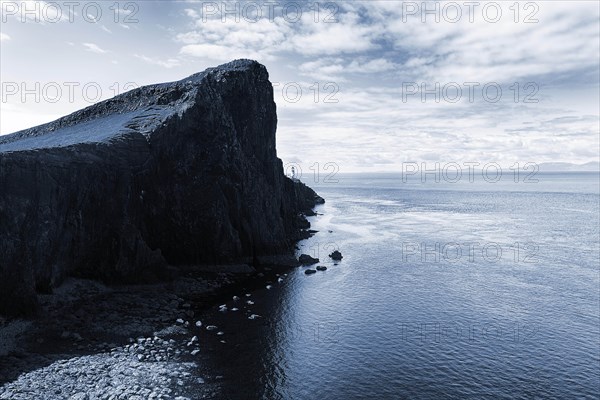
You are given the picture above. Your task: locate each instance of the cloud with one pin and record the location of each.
(324, 69)
(94, 48)
(217, 52)
(122, 11)
(168, 63)
(105, 29)
(347, 36)
(562, 50)
(384, 39)
(504, 51)
(191, 13)
(336, 69)
(225, 41)
(4, 37)
(189, 37)
(373, 120)
(273, 34)
(371, 66)
(569, 127)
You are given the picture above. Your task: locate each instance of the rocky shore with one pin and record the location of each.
(93, 341)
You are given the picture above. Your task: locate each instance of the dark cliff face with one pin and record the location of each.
(177, 173)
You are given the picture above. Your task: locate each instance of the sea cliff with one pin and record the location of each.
(180, 173)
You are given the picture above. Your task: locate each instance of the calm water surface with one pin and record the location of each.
(446, 291)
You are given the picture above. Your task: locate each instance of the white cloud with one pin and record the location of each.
(371, 66)
(347, 36)
(335, 69)
(105, 29)
(482, 51)
(168, 63)
(562, 49)
(273, 34)
(462, 51)
(324, 69)
(218, 53)
(225, 41)
(191, 13)
(4, 37)
(122, 11)
(94, 48)
(188, 37)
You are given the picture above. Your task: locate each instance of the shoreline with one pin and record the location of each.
(86, 331)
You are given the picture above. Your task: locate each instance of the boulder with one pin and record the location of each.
(305, 259)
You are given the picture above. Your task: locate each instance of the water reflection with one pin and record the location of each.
(380, 325)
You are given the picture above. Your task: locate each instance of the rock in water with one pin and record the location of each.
(336, 255)
(176, 173)
(305, 259)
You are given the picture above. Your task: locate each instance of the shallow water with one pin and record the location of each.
(468, 290)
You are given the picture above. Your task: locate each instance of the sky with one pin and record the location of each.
(360, 86)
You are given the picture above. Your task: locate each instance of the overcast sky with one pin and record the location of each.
(360, 66)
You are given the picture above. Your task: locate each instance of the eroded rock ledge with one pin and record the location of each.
(178, 173)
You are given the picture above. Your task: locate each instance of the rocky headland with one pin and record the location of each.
(120, 222)
(167, 175)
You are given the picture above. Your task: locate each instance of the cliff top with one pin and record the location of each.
(139, 110)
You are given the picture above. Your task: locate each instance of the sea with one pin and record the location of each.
(470, 289)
